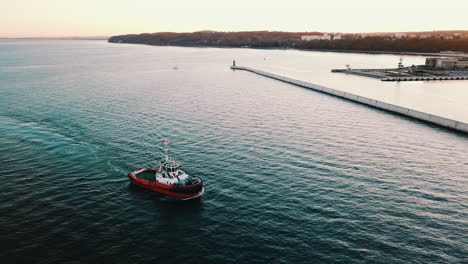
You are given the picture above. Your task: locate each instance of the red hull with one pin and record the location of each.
(183, 192)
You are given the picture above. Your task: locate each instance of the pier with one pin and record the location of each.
(433, 119)
(432, 78)
(380, 74)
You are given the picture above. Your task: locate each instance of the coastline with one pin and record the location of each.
(319, 50)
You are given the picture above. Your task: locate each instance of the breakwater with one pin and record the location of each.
(379, 74)
(434, 119)
(431, 78)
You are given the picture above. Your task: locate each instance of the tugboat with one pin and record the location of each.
(168, 179)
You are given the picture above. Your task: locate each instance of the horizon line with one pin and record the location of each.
(227, 31)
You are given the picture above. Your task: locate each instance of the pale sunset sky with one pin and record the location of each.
(60, 18)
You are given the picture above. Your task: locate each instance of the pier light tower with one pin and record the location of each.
(400, 66)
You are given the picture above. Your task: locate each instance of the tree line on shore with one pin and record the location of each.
(269, 39)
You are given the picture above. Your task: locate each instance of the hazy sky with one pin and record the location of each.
(41, 18)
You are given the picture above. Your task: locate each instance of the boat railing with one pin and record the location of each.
(188, 188)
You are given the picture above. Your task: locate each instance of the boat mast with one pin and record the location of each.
(166, 149)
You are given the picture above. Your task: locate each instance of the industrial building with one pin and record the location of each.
(447, 62)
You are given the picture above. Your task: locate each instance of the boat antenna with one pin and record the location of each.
(165, 143)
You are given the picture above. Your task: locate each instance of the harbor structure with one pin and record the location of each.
(450, 52)
(422, 116)
(434, 69)
(447, 63)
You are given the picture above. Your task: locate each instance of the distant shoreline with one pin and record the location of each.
(319, 50)
(390, 52)
(261, 48)
(59, 38)
(419, 44)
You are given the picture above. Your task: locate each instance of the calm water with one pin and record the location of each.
(292, 176)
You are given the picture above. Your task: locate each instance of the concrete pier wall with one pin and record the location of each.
(373, 73)
(439, 78)
(438, 120)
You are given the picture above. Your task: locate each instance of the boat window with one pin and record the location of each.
(171, 169)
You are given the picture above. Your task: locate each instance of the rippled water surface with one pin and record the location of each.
(291, 175)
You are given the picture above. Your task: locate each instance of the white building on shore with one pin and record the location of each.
(325, 36)
(337, 36)
(400, 35)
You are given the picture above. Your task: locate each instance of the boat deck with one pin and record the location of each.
(146, 175)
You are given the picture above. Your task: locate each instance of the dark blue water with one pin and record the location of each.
(291, 175)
